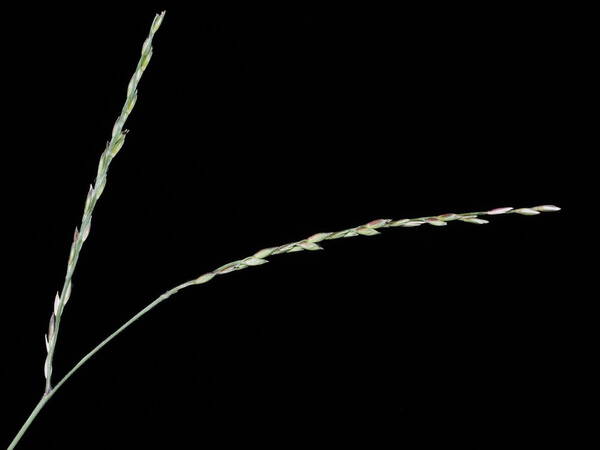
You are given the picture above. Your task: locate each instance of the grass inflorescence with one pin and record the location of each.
(311, 243)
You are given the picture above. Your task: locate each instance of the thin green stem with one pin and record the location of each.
(30, 419)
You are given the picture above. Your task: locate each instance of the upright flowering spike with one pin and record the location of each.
(113, 146)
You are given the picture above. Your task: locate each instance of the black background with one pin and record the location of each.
(259, 126)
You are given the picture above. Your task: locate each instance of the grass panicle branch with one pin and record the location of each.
(81, 234)
(369, 229)
(311, 244)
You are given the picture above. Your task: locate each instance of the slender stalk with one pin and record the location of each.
(257, 258)
(112, 148)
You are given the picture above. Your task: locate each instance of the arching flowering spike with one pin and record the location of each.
(546, 208)
(51, 337)
(526, 211)
(495, 211)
